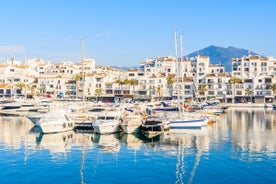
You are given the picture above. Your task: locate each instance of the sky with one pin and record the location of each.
(127, 32)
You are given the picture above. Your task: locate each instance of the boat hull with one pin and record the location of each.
(106, 127)
(152, 128)
(56, 126)
(131, 125)
(129, 129)
(187, 124)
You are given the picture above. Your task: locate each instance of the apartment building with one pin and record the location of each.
(252, 79)
(257, 76)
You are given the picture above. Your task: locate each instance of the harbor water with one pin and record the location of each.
(240, 147)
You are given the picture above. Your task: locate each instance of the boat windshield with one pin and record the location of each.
(106, 118)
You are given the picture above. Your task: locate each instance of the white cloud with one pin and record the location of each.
(12, 49)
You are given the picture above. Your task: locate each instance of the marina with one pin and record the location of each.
(143, 92)
(239, 147)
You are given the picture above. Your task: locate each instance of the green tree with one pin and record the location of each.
(170, 81)
(273, 88)
(78, 77)
(234, 80)
(98, 92)
(133, 83)
(121, 83)
(32, 89)
(249, 92)
(21, 86)
(158, 90)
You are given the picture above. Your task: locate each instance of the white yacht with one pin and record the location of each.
(55, 121)
(107, 122)
(187, 121)
(131, 122)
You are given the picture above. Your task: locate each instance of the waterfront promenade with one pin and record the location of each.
(250, 105)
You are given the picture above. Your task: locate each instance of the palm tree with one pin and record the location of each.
(32, 89)
(78, 77)
(202, 88)
(273, 88)
(21, 85)
(234, 80)
(127, 83)
(249, 92)
(98, 92)
(170, 82)
(121, 83)
(158, 90)
(133, 83)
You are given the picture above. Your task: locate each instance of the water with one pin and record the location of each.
(239, 148)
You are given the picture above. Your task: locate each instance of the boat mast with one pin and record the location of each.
(181, 69)
(177, 70)
(82, 69)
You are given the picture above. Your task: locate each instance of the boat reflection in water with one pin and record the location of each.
(247, 138)
(107, 143)
(132, 141)
(188, 145)
(56, 143)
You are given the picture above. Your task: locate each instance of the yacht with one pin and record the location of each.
(55, 121)
(107, 122)
(187, 121)
(153, 126)
(131, 122)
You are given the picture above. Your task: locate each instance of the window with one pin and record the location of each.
(211, 92)
(239, 92)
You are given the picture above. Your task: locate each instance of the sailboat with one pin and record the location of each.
(183, 120)
(83, 120)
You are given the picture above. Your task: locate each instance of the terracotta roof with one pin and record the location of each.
(89, 74)
(5, 85)
(188, 79)
(100, 75)
(3, 65)
(254, 57)
(264, 59)
(108, 83)
(132, 70)
(210, 75)
(221, 74)
(204, 56)
(169, 59)
(171, 75)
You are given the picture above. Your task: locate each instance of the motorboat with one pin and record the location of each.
(55, 121)
(107, 122)
(153, 126)
(131, 122)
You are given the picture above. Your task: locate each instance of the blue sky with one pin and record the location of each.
(126, 32)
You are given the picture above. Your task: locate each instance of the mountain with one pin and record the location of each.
(221, 55)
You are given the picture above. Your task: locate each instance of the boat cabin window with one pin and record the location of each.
(95, 110)
(106, 118)
(101, 118)
(110, 118)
